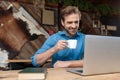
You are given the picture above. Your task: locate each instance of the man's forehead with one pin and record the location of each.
(72, 18)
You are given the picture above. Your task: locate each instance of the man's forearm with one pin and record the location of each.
(77, 63)
(43, 57)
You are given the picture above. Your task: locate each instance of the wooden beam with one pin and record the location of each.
(22, 1)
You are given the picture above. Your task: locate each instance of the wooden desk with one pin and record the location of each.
(60, 74)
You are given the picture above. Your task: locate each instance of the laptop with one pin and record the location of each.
(102, 55)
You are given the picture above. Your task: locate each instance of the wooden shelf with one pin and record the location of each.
(19, 60)
(27, 60)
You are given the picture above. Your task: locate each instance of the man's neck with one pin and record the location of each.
(69, 35)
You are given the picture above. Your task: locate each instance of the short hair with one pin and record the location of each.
(69, 10)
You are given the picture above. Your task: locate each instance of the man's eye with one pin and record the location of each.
(76, 22)
(69, 22)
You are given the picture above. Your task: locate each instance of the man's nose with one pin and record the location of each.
(73, 25)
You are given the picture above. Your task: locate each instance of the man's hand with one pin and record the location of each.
(68, 64)
(61, 44)
(61, 64)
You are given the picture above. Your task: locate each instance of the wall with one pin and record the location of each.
(113, 21)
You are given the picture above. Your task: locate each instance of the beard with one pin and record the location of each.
(71, 31)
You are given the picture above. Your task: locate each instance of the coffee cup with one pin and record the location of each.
(72, 43)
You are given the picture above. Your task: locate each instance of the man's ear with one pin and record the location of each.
(62, 23)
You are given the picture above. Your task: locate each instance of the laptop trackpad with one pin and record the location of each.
(75, 70)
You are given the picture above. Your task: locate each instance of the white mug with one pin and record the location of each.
(72, 43)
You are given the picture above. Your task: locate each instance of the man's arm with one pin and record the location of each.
(68, 64)
(43, 57)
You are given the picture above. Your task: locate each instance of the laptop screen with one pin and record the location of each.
(102, 54)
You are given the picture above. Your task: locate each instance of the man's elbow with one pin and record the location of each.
(34, 61)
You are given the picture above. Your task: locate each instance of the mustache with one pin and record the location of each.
(72, 28)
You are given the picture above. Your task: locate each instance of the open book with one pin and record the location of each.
(32, 74)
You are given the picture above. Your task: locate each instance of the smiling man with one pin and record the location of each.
(55, 46)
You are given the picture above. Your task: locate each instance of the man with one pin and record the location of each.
(55, 46)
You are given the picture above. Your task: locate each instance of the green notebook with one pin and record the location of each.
(32, 73)
(33, 70)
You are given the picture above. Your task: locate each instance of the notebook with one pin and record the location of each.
(102, 55)
(32, 73)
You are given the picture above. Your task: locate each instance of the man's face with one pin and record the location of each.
(71, 24)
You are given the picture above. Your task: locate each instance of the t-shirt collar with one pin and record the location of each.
(65, 34)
